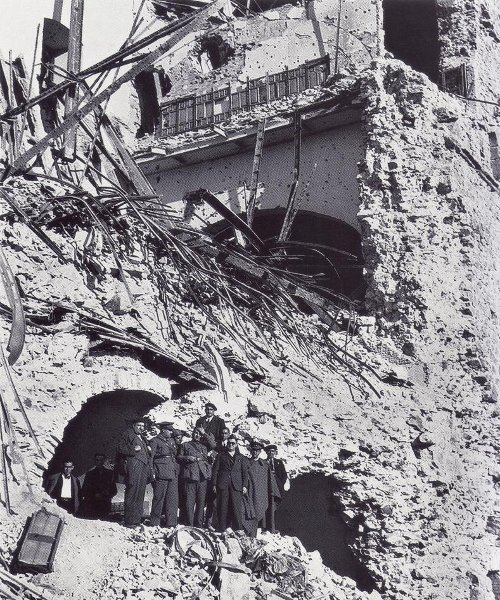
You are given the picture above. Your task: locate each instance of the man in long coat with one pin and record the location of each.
(230, 482)
(134, 459)
(165, 473)
(98, 489)
(256, 502)
(64, 487)
(278, 478)
(196, 472)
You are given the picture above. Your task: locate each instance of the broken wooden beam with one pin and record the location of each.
(291, 209)
(257, 158)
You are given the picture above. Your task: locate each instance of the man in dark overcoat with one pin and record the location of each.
(64, 487)
(211, 424)
(230, 482)
(278, 483)
(98, 489)
(165, 473)
(134, 459)
(196, 472)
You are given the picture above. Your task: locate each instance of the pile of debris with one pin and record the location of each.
(188, 563)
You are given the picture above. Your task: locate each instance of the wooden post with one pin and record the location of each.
(73, 66)
(291, 210)
(259, 145)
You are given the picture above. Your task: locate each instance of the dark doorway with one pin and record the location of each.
(98, 427)
(151, 86)
(308, 512)
(411, 34)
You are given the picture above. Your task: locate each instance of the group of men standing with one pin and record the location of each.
(202, 482)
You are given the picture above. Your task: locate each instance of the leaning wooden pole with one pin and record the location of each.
(77, 115)
(290, 207)
(254, 182)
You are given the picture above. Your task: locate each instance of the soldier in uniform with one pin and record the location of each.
(134, 461)
(256, 501)
(196, 473)
(165, 473)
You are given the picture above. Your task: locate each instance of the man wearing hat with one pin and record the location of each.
(196, 473)
(165, 472)
(278, 478)
(134, 460)
(211, 424)
(230, 483)
(256, 501)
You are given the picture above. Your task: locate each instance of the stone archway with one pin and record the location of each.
(97, 427)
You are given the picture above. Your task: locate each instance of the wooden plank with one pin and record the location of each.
(107, 63)
(73, 67)
(291, 209)
(257, 158)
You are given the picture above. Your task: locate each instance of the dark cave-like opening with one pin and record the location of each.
(308, 511)
(411, 34)
(98, 426)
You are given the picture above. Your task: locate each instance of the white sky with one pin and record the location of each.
(106, 25)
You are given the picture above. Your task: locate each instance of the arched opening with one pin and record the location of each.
(411, 34)
(97, 428)
(320, 246)
(308, 512)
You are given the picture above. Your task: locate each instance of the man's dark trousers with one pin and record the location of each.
(135, 490)
(195, 494)
(229, 497)
(165, 499)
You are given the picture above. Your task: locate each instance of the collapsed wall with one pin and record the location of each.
(395, 423)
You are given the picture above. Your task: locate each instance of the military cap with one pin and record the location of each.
(166, 425)
(271, 447)
(210, 405)
(256, 446)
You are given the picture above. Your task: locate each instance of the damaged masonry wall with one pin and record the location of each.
(417, 467)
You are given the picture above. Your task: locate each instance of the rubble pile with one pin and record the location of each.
(186, 563)
(390, 404)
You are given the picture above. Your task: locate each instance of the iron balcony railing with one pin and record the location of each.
(193, 112)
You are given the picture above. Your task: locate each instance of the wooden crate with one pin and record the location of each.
(39, 542)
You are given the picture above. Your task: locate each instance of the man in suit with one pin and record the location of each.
(278, 485)
(165, 472)
(196, 473)
(212, 426)
(98, 489)
(230, 482)
(64, 487)
(222, 443)
(134, 459)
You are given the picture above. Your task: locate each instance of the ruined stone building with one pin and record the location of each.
(357, 140)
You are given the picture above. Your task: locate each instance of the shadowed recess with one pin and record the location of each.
(98, 426)
(308, 512)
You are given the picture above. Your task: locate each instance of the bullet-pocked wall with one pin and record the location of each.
(328, 183)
